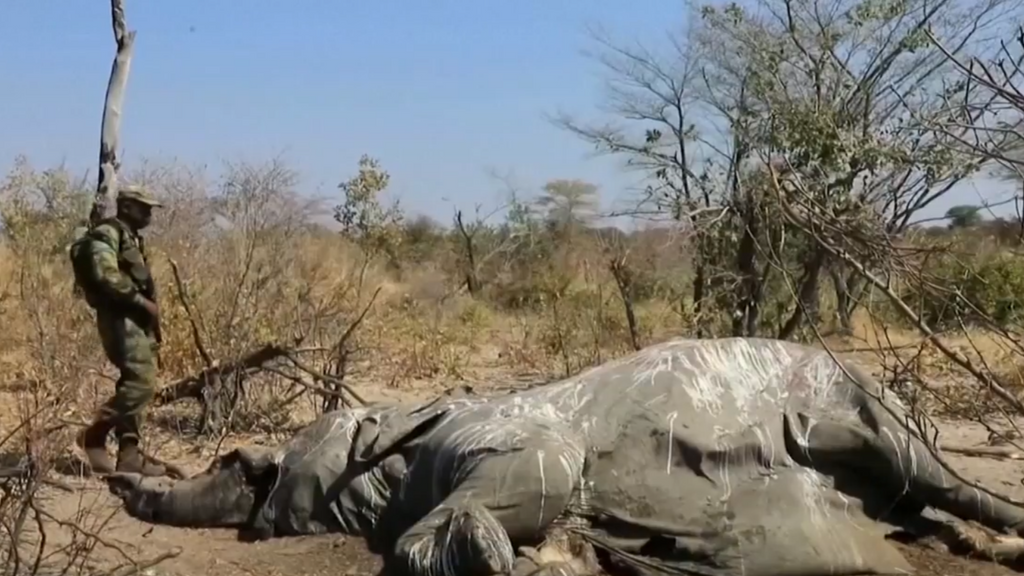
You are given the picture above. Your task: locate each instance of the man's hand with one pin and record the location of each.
(152, 309)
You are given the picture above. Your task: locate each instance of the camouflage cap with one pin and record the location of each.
(138, 194)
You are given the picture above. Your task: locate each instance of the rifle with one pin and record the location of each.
(149, 291)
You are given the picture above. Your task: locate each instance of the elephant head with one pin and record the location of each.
(226, 494)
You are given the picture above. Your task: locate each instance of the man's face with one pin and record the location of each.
(137, 214)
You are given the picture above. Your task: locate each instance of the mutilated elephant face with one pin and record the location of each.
(225, 495)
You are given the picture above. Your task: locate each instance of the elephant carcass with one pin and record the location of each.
(727, 456)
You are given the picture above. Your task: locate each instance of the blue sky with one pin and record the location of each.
(441, 91)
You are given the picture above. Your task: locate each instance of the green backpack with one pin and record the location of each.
(80, 254)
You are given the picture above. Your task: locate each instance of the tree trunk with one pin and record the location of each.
(472, 281)
(624, 280)
(748, 300)
(699, 293)
(219, 400)
(808, 295)
(333, 401)
(104, 205)
(849, 289)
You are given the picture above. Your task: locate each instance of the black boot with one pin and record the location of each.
(131, 459)
(93, 441)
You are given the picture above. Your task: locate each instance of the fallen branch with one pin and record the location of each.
(318, 390)
(910, 315)
(22, 473)
(137, 567)
(325, 378)
(1003, 452)
(197, 386)
(956, 357)
(87, 533)
(193, 386)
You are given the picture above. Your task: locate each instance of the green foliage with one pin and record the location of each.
(421, 238)
(966, 291)
(963, 216)
(361, 214)
(568, 203)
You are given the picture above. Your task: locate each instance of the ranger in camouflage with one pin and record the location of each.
(115, 279)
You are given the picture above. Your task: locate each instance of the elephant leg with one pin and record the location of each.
(225, 495)
(856, 463)
(885, 461)
(506, 499)
(905, 457)
(562, 554)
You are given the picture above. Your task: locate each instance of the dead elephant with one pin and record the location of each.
(730, 456)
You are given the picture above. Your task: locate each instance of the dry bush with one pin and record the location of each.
(253, 266)
(51, 373)
(240, 264)
(434, 339)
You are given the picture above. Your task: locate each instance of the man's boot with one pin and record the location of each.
(93, 441)
(131, 459)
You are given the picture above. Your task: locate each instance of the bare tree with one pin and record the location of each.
(837, 90)
(468, 234)
(106, 188)
(654, 97)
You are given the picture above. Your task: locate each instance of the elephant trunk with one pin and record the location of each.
(223, 496)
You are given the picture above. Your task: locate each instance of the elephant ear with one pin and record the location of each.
(256, 459)
(381, 435)
(260, 466)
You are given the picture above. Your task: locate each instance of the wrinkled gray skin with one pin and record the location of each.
(730, 456)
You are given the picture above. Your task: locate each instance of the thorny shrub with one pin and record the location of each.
(985, 286)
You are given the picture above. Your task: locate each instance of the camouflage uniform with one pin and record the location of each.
(121, 282)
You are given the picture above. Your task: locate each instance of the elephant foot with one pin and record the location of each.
(455, 541)
(562, 554)
(964, 538)
(485, 547)
(972, 539)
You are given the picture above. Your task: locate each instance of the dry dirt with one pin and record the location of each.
(92, 509)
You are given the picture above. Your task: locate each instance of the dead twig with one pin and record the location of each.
(193, 386)
(137, 567)
(804, 223)
(186, 302)
(326, 378)
(22, 472)
(318, 390)
(1003, 452)
(75, 527)
(357, 322)
(883, 287)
